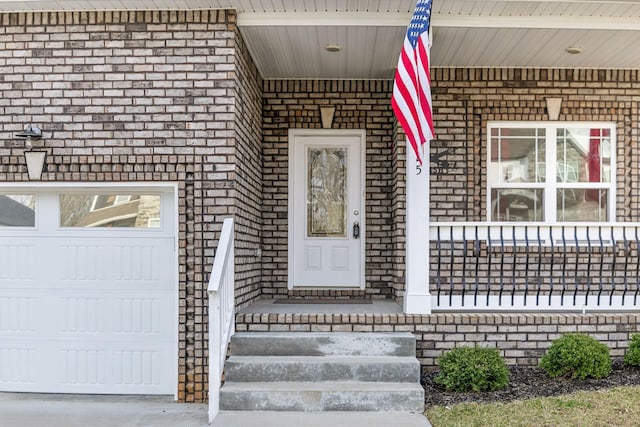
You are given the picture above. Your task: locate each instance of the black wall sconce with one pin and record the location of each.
(34, 158)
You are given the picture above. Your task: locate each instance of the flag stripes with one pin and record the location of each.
(411, 99)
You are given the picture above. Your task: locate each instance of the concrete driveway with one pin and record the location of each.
(64, 410)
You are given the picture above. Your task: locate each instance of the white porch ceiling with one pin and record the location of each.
(287, 37)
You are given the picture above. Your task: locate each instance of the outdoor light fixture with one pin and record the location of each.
(333, 47)
(34, 158)
(326, 116)
(574, 50)
(553, 107)
(30, 132)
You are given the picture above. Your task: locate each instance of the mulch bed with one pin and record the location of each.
(530, 382)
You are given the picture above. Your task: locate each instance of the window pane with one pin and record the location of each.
(583, 155)
(510, 204)
(110, 210)
(517, 155)
(17, 210)
(327, 192)
(583, 205)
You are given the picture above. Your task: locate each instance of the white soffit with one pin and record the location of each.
(509, 47)
(299, 51)
(287, 37)
(242, 6)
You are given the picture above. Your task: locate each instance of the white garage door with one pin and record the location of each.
(88, 290)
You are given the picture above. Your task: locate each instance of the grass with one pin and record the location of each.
(616, 407)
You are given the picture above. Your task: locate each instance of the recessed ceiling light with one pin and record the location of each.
(574, 50)
(333, 48)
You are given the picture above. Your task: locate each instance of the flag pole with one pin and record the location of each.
(411, 102)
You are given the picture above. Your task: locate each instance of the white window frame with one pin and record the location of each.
(551, 184)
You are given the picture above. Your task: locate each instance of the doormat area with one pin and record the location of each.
(323, 301)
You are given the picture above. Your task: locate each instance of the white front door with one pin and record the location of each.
(326, 208)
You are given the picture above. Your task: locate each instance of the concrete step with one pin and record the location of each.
(322, 344)
(322, 368)
(325, 396)
(318, 419)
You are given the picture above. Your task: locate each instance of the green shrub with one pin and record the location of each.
(578, 356)
(472, 369)
(633, 354)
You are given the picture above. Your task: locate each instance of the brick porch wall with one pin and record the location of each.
(132, 97)
(247, 99)
(466, 99)
(399, 210)
(522, 338)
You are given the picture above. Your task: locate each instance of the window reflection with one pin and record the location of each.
(17, 210)
(517, 155)
(517, 204)
(584, 155)
(110, 210)
(576, 205)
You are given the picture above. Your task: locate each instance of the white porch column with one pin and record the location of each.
(417, 298)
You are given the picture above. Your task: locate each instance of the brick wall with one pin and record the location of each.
(359, 105)
(466, 99)
(522, 338)
(399, 209)
(248, 175)
(132, 97)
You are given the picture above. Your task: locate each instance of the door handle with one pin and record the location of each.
(356, 230)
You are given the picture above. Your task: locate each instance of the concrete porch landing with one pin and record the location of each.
(270, 306)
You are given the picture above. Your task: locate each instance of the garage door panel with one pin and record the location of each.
(17, 361)
(17, 313)
(131, 313)
(123, 370)
(16, 262)
(111, 260)
(82, 367)
(77, 314)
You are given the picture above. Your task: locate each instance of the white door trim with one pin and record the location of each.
(169, 191)
(293, 133)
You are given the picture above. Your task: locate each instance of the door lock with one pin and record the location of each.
(356, 229)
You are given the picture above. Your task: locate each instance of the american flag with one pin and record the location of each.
(411, 99)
